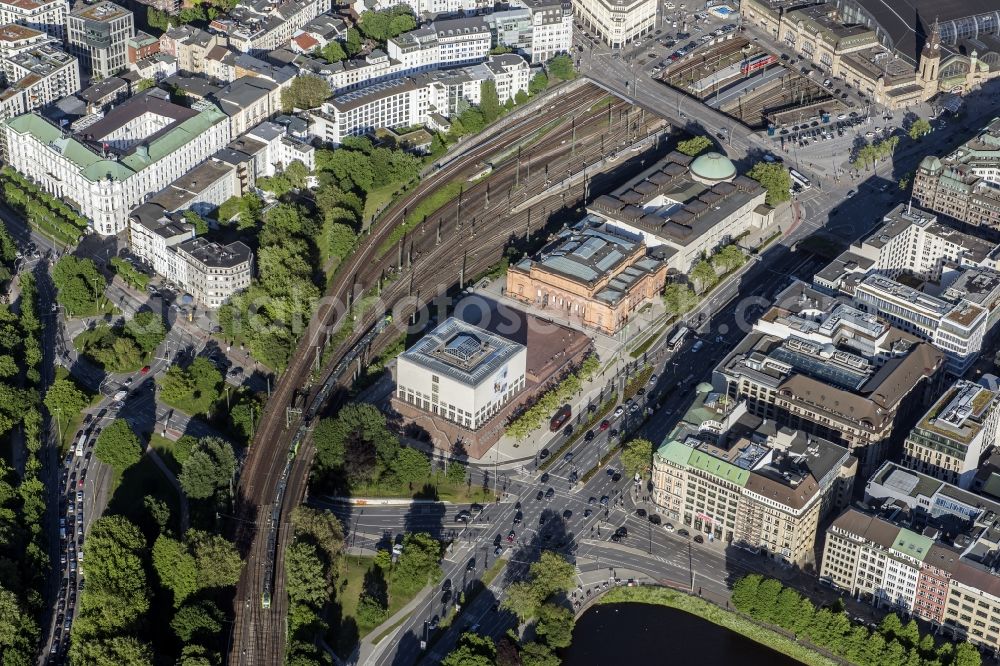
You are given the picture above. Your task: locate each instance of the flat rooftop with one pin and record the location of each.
(959, 414)
(466, 353)
(214, 255)
(102, 11)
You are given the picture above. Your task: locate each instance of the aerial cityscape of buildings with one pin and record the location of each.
(726, 275)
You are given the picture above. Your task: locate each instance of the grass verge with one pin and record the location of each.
(353, 573)
(662, 596)
(653, 337)
(424, 209)
(493, 571)
(165, 449)
(139, 481)
(392, 628)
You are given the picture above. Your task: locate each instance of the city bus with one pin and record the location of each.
(81, 445)
(799, 179)
(678, 338)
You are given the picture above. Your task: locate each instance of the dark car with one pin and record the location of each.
(518, 517)
(540, 495)
(446, 585)
(462, 517)
(589, 436)
(542, 518)
(476, 508)
(471, 565)
(604, 500)
(543, 454)
(622, 531)
(655, 519)
(615, 478)
(567, 514)
(616, 538)
(641, 513)
(699, 539)
(545, 477)
(446, 597)
(549, 493)
(497, 540)
(587, 513)
(683, 532)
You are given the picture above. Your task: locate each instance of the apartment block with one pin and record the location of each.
(751, 483)
(427, 98)
(190, 46)
(98, 35)
(36, 77)
(923, 547)
(952, 438)
(259, 26)
(815, 363)
(48, 16)
(964, 184)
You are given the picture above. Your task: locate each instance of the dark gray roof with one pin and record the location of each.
(243, 92)
(908, 23)
(214, 255)
(101, 89)
(131, 109)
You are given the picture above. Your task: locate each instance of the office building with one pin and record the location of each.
(463, 382)
(597, 278)
(617, 23)
(48, 16)
(925, 278)
(112, 165)
(685, 208)
(816, 363)
(952, 438)
(747, 482)
(99, 36)
(964, 184)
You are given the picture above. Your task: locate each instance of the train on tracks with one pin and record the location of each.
(757, 63)
(311, 411)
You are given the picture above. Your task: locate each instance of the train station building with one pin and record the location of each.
(459, 385)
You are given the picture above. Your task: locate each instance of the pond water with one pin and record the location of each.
(642, 634)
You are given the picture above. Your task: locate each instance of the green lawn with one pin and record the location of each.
(491, 573)
(353, 571)
(165, 449)
(436, 487)
(73, 424)
(378, 198)
(662, 596)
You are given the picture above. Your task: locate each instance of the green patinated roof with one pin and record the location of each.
(93, 166)
(910, 543)
(175, 138)
(713, 166)
(719, 468)
(675, 452)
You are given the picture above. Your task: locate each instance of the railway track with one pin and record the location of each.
(274, 478)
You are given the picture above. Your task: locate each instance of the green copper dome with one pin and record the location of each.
(712, 168)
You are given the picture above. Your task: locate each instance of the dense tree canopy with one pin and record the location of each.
(118, 446)
(637, 456)
(194, 389)
(775, 179)
(208, 469)
(305, 92)
(695, 145)
(79, 285)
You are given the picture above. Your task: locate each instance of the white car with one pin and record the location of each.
(619, 411)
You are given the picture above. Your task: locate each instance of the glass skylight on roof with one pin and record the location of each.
(463, 346)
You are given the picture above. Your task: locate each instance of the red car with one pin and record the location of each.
(145, 369)
(605, 425)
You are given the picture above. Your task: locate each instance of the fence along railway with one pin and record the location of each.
(274, 477)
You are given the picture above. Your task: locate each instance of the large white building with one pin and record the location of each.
(927, 279)
(98, 35)
(36, 72)
(955, 434)
(416, 100)
(617, 22)
(49, 16)
(460, 372)
(109, 167)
